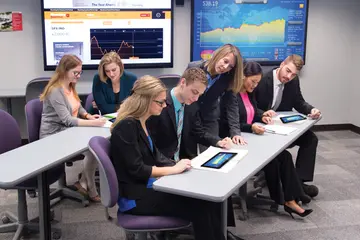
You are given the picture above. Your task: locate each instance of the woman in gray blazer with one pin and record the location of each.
(62, 109)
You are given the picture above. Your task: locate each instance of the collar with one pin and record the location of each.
(276, 80)
(177, 104)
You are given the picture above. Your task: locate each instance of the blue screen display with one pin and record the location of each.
(266, 31)
(219, 160)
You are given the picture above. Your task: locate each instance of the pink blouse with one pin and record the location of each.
(250, 112)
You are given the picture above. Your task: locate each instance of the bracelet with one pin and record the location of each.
(86, 116)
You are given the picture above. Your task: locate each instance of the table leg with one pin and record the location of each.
(44, 207)
(224, 217)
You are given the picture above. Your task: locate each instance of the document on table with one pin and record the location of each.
(211, 152)
(278, 129)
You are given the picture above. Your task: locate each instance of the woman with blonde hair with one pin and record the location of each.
(112, 84)
(62, 109)
(138, 163)
(224, 72)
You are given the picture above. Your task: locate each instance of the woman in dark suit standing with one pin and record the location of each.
(224, 71)
(112, 84)
(138, 163)
(238, 113)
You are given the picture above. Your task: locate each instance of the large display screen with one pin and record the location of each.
(140, 31)
(266, 31)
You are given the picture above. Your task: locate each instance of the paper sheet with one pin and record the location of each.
(278, 129)
(107, 124)
(212, 151)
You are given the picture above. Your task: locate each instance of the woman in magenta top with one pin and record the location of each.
(239, 113)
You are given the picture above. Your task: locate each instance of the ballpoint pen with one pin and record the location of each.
(269, 131)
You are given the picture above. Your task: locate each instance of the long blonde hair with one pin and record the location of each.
(238, 69)
(144, 91)
(66, 63)
(110, 57)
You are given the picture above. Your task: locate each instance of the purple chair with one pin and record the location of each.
(33, 112)
(141, 225)
(170, 80)
(20, 224)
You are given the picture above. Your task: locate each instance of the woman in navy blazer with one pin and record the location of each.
(138, 163)
(112, 84)
(224, 71)
(238, 113)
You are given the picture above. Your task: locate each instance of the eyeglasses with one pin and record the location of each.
(76, 73)
(160, 103)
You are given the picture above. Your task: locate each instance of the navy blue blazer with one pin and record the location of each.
(104, 95)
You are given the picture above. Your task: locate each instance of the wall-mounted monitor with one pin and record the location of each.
(140, 31)
(266, 31)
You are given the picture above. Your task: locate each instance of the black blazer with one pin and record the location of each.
(163, 130)
(234, 116)
(291, 98)
(133, 159)
(209, 101)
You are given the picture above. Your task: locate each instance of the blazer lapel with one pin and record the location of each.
(242, 109)
(145, 139)
(270, 88)
(171, 110)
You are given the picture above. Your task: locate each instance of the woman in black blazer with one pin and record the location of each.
(238, 113)
(138, 163)
(224, 71)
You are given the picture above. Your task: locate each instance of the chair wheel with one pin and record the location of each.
(56, 235)
(31, 193)
(85, 203)
(5, 220)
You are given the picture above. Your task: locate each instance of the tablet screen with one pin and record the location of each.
(292, 118)
(219, 160)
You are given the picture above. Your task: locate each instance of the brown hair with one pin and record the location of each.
(66, 63)
(220, 53)
(296, 60)
(145, 89)
(195, 74)
(110, 57)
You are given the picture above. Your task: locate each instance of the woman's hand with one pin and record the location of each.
(238, 140)
(93, 117)
(267, 120)
(181, 166)
(258, 129)
(224, 143)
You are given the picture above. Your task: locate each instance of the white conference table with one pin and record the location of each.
(36, 158)
(218, 186)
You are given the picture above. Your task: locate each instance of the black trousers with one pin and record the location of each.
(305, 161)
(282, 169)
(205, 216)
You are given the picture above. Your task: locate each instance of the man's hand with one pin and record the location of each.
(224, 143)
(269, 113)
(238, 140)
(315, 113)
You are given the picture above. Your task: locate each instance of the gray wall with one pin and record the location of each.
(332, 44)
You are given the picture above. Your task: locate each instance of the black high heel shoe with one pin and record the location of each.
(290, 211)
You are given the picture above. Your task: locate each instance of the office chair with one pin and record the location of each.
(33, 111)
(170, 80)
(20, 224)
(141, 225)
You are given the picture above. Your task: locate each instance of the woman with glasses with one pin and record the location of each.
(111, 85)
(239, 113)
(62, 109)
(138, 163)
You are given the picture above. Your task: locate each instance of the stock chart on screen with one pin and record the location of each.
(266, 31)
